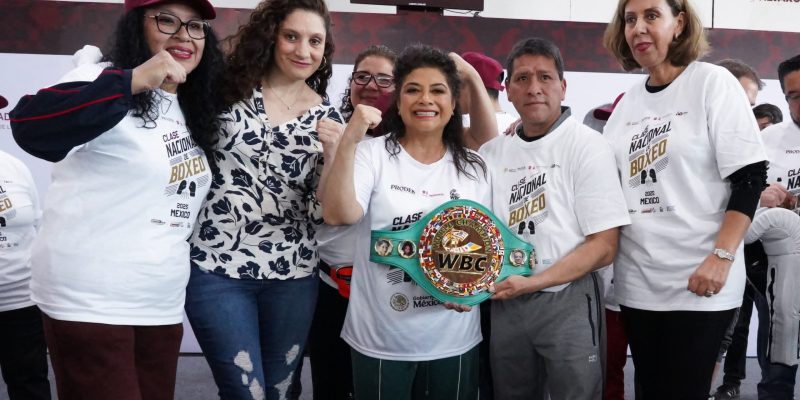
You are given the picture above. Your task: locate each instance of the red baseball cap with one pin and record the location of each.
(488, 68)
(603, 113)
(3, 102)
(205, 8)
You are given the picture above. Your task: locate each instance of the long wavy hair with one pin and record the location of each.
(254, 44)
(423, 56)
(129, 49)
(376, 50)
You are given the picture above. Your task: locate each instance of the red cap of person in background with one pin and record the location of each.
(603, 113)
(205, 8)
(3, 102)
(488, 68)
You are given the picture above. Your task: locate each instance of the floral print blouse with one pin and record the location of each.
(261, 214)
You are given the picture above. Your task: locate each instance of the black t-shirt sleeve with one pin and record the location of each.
(56, 119)
(747, 183)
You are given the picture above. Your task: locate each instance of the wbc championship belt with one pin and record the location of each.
(455, 252)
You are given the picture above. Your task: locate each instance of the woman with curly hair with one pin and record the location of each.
(395, 353)
(253, 284)
(110, 265)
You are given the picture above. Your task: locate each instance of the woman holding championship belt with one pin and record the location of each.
(692, 169)
(401, 337)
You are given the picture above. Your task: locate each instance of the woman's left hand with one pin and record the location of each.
(329, 132)
(709, 278)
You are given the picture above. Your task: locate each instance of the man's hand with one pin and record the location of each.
(776, 195)
(512, 287)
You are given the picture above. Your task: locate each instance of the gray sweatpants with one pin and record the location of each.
(550, 342)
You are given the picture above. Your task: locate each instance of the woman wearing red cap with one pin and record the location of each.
(111, 262)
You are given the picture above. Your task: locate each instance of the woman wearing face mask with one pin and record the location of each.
(253, 287)
(692, 168)
(110, 265)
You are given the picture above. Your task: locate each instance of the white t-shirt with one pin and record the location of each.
(556, 190)
(19, 214)
(389, 316)
(782, 142)
(112, 246)
(336, 244)
(674, 149)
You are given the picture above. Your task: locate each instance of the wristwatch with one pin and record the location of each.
(724, 254)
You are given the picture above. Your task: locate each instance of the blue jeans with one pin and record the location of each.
(252, 332)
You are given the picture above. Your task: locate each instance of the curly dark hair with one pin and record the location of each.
(129, 49)
(377, 50)
(423, 56)
(254, 42)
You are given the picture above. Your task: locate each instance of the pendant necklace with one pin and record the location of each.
(288, 106)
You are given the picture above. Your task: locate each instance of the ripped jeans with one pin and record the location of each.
(252, 332)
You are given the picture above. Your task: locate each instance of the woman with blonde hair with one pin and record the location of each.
(692, 168)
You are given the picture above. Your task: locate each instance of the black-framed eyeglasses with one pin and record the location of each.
(171, 24)
(362, 78)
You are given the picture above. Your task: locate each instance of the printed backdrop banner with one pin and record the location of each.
(26, 73)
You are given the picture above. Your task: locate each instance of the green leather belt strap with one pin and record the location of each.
(455, 252)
